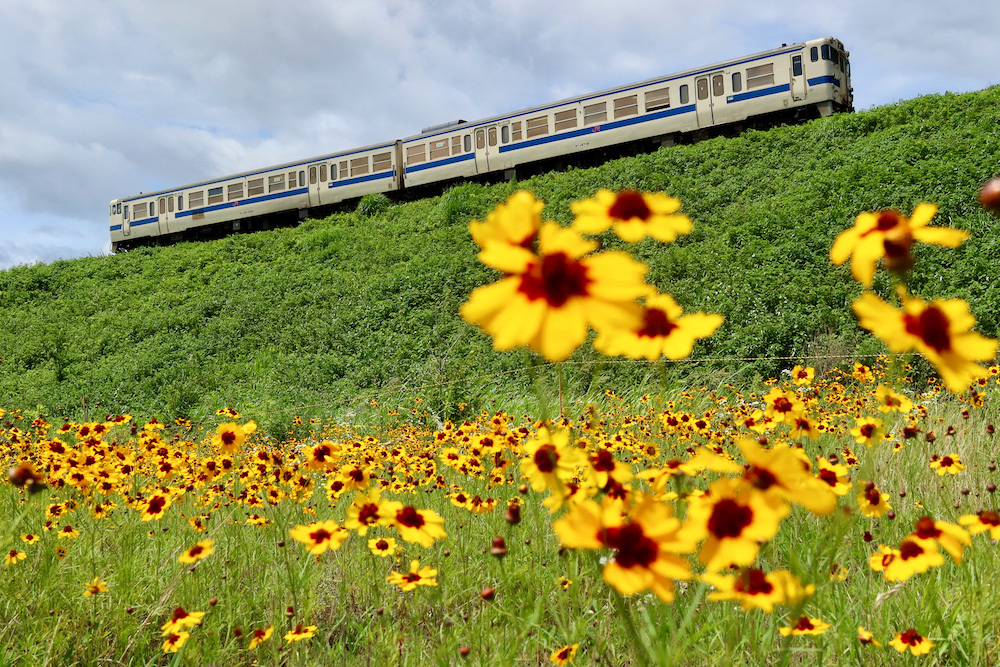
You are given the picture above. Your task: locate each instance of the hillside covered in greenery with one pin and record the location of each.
(325, 317)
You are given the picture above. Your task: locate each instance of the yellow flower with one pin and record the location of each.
(634, 215)
(548, 300)
(561, 657)
(320, 536)
(174, 641)
(13, 556)
(197, 552)
(890, 400)
(417, 576)
(382, 546)
(911, 639)
(180, 620)
(416, 525)
(803, 376)
(866, 637)
(869, 430)
(939, 330)
(805, 626)
(755, 589)
(662, 332)
(515, 222)
(889, 235)
(260, 635)
(299, 633)
(95, 587)
(229, 438)
(947, 465)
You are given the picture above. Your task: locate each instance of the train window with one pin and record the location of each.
(291, 179)
(383, 161)
(537, 126)
(702, 86)
(835, 56)
(302, 178)
(492, 134)
(255, 187)
(119, 207)
(126, 211)
(196, 199)
(152, 209)
(456, 145)
(762, 75)
(415, 154)
(737, 82)
(359, 166)
(685, 95)
(141, 210)
(826, 51)
(657, 99)
(234, 191)
(170, 204)
(565, 120)
(180, 202)
(333, 171)
(343, 169)
(467, 142)
(626, 106)
(595, 113)
(515, 131)
(163, 205)
(480, 140)
(322, 172)
(312, 175)
(439, 149)
(717, 87)
(796, 65)
(275, 183)
(505, 134)
(814, 54)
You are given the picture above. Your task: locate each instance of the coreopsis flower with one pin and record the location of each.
(299, 633)
(180, 620)
(783, 406)
(645, 542)
(633, 215)
(888, 235)
(260, 635)
(417, 576)
(68, 532)
(154, 506)
(548, 300)
(756, 589)
(947, 465)
(869, 430)
(734, 518)
(939, 330)
(805, 626)
(911, 640)
(982, 521)
(515, 222)
(873, 503)
(866, 637)
(415, 525)
(195, 553)
(782, 471)
(803, 376)
(95, 587)
(835, 475)
(229, 437)
(663, 332)
(367, 510)
(13, 556)
(30, 538)
(319, 536)
(890, 400)
(950, 537)
(382, 546)
(551, 461)
(913, 557)
(174, 641)
(561, 657)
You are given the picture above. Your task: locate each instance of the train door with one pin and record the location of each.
(486, 145)
(797, 80)
(166, 213)
(317, 182)
(703, 101)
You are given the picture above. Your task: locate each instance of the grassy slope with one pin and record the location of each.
(323, 313)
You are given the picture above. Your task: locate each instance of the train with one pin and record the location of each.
(794, 82)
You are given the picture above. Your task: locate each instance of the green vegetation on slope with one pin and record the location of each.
(337, 310)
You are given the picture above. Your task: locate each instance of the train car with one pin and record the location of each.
(793, 82)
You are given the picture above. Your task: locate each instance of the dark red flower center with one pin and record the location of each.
(762, 478)
(228, 437)
(368, 514)
(782, 404)
(410, 517)
(804, 624)
(910, 549)
(633, 546)
(545, 458)
(629, 204)
(603, 461)
(911, 637)
(729, 518)
(753, 582)
(656, 324)
(828, 476)
(156, 505)
(556, 278)
(925, 529)
(930, 326)
(320, 535)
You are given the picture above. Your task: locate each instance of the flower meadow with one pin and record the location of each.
(817, 518)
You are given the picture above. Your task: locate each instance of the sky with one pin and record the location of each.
(101, 99)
